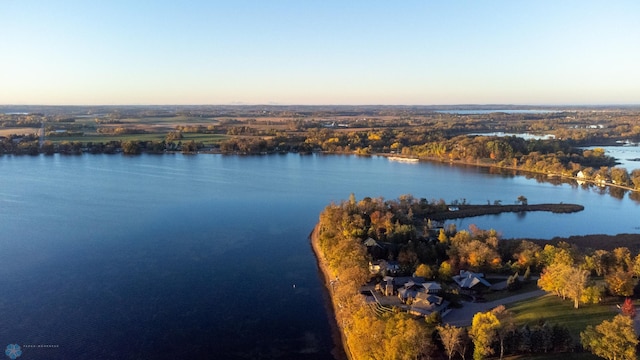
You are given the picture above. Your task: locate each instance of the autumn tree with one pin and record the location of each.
(565, 281)
(554, 279)
(506, 325)
(366, 333)
(527, 254)
(620, 283)
(635, 178)
(636, 265)
(445, 271)
(601, 261)
(442, 236)
(476, 250)
(451, 337)
(425, 271)
(405, 338)
(592, 294)
(483, 331)
(612, 340)
(561, 254)
(628, 308)
(622, 258)
(130, 147)
(577, 282)
(620, 176)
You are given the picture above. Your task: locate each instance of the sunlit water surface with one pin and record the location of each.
(207, 256)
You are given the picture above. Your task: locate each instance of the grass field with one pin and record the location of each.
(552, 309)
(207, 139)
(555, 311)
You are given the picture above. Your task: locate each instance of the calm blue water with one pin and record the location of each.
(194, 257)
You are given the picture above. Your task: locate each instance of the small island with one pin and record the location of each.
(466, 211)
(403, 284)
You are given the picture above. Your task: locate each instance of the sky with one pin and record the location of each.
(346, 52)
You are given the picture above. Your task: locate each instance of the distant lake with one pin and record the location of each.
(207, 256)
(526, 136)
(627, 156)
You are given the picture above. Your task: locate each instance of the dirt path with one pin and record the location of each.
(463, 316)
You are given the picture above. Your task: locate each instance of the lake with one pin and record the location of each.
(195, 257)
(627, 157)
(526, 136)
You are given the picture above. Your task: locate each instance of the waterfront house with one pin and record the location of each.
(383, 267)
(411, 289)
(471, 282)
(426, 304)
(423, 297)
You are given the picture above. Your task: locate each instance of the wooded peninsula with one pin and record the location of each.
(404, 284)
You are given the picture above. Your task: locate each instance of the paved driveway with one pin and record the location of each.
(464, 315)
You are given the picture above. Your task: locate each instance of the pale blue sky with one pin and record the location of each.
(319, 52)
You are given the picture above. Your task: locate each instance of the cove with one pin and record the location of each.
(177, 256)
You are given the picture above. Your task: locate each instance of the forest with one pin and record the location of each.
(583, 277)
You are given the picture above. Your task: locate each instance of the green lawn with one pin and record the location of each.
(555, 311)
(207, 139)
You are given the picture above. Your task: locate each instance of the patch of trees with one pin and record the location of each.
(107, 121)
(496, 333)
(568, 273)
(196, 129)
(22, 120)
(119, 130)
(64, 133)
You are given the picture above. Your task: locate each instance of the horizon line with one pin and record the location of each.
(329, 104)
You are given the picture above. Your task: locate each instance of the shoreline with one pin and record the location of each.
(339, 353)
(518, 171)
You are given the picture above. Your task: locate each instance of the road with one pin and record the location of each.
(463, 316)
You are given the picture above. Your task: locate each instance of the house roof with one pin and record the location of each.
(371, 242)
(432, 286)
(428, 298)
(403, 280)
(418, 290)
(468, 279)
(436, 303)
